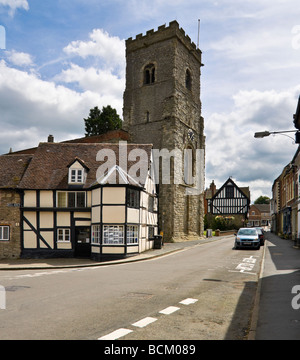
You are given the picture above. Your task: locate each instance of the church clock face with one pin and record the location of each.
(191, 135)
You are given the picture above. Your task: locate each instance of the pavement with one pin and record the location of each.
(276, 314)
(168, 248)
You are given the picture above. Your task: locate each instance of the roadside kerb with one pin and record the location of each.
(151, 254)
(255, 311)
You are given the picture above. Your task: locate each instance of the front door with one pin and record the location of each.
(83, 241)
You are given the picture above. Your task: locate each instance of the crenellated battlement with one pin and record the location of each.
(162, 33)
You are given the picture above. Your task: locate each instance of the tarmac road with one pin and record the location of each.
(200, 290)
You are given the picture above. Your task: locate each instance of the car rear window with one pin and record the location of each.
(247, 232)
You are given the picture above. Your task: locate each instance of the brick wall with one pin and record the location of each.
(10, 216)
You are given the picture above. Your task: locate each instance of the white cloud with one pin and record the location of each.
(19, 58)
(15, 4)
(232, 149)
(110, 49)
(97, 80)
(34, 108)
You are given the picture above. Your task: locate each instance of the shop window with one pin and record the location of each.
(96, 234)
(113, 234)
(132, 234)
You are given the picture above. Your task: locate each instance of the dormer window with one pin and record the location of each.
(77, 172)
(77, 175)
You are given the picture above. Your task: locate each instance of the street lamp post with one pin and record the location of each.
(262, 134)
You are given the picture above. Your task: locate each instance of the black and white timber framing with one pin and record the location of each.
(229, 200)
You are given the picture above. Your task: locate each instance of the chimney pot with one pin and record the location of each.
(50, 138)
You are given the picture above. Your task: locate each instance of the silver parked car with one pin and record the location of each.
(247, 237)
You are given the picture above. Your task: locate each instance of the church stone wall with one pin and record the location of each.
(163, 112)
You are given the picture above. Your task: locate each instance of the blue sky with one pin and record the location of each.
(63, 57)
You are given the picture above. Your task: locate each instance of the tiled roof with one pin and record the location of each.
(12, 168)
(49, 166)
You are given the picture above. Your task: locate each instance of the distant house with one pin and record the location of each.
(260, 215)
(229, 202)
(66, 207)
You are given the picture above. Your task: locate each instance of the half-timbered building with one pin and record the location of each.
(76, 200)
(230, 201)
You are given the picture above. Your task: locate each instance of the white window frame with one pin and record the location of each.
(96, 234)
(2, 237)
(113, 234)
(65, 236)
(76, 176)
(132, 234)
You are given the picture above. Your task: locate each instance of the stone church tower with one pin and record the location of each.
(162, 107)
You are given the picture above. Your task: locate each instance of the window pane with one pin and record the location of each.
(4, 233)
(81, 199)
(67, 234)
(132, 234)
(79, 175)
(73, 176)
(133, 198)
(71, 199)
(96, 234)
(61, 199)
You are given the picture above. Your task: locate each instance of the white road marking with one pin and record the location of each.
(246, 266)
(169, 310)
(144, 322)
(116, 334)
(188, 301)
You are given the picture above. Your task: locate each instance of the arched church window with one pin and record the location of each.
(149, 74)
(188, 80)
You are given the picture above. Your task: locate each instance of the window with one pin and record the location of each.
(133, 198)
(132, 234)
(150, 232)
(229, 192)
(76, 176)
(71, 199)
(113, 234)
(188, 80)
(63, 235)
(96, 234)
(150, 203)
(4, 233)
(149, 74)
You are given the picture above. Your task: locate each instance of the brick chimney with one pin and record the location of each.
(50, 139)
(213, 188)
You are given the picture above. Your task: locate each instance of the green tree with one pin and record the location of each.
(101, 121)
(262, 200)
